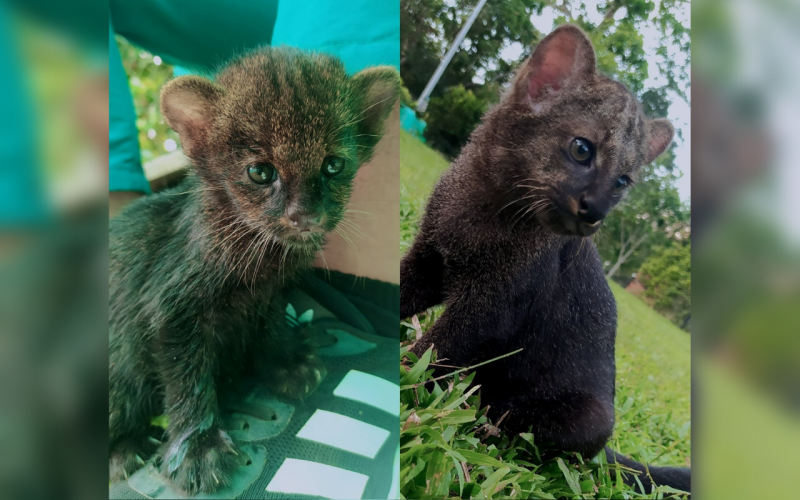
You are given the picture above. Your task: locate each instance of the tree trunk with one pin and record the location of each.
(623, 257)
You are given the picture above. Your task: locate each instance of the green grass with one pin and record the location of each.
(420, 167)
(450, 449)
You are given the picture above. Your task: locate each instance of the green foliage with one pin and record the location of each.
(620, 53)
(427, 27)
(451, 118)
(420, 167)
(667, 280)
(460, 98)
(651, 215)
(405, 97)
(146, 78)
(449, 448)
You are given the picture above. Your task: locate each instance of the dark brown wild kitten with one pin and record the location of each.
(503, 245)
(197, 272)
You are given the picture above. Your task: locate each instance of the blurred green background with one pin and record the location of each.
(147, 73)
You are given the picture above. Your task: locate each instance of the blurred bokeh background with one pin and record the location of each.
(746, 248)
(53, 249)
(147, 73)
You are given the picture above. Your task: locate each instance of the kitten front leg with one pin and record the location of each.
(468, 329)
(199, 456)
(447, 339)
(421, 278)
(285, 358)
(132, 402)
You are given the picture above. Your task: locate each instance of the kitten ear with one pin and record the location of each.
(379, 87)
(659, 137)
(564, 56)
(189, 104)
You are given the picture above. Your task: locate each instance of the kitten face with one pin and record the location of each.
(279, 137)
(291, 151)
(578, 137)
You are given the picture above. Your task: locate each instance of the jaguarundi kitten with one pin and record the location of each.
(197, 272)
(503, 244)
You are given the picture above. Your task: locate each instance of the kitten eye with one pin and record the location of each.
(622, 183)
(332, 166)
(262, 173)
(581, 150)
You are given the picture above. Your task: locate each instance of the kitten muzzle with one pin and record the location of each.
(302, 221)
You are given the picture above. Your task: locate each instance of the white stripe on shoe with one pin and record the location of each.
(302, 477)
(370, 390)
(344, 433)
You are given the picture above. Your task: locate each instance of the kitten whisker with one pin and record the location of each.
(532, 206)
(191, 191)
(262, 250)
(345, 238)
(526, 197)
(535, 182)
(539, 210)
(535, 209)
(321, 253)
(349, 223)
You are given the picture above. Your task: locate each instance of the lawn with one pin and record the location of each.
(449, 449)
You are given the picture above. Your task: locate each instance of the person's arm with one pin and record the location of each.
(126, 178)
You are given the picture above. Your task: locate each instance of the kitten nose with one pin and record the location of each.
(591, 211)
(302, 220)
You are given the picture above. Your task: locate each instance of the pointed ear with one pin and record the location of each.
(189, 105)
(659, 137)
(379, 88)
(563, 57)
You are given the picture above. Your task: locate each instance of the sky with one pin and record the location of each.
(679, 111)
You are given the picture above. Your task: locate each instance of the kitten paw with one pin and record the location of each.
(128, 456)
(201, 463)
(300, 380)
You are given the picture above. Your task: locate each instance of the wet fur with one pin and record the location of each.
(197, 272)
(498, 246)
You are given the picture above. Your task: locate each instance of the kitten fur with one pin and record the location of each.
(503, 243)
(197, 272)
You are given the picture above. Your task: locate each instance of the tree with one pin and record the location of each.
(420, 41)
(450, 118)
(428, 27)
(667, 280)
(651, 214)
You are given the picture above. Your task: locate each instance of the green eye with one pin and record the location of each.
(262, 173)
(332, 166)
(622, 183)
(581, 150)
